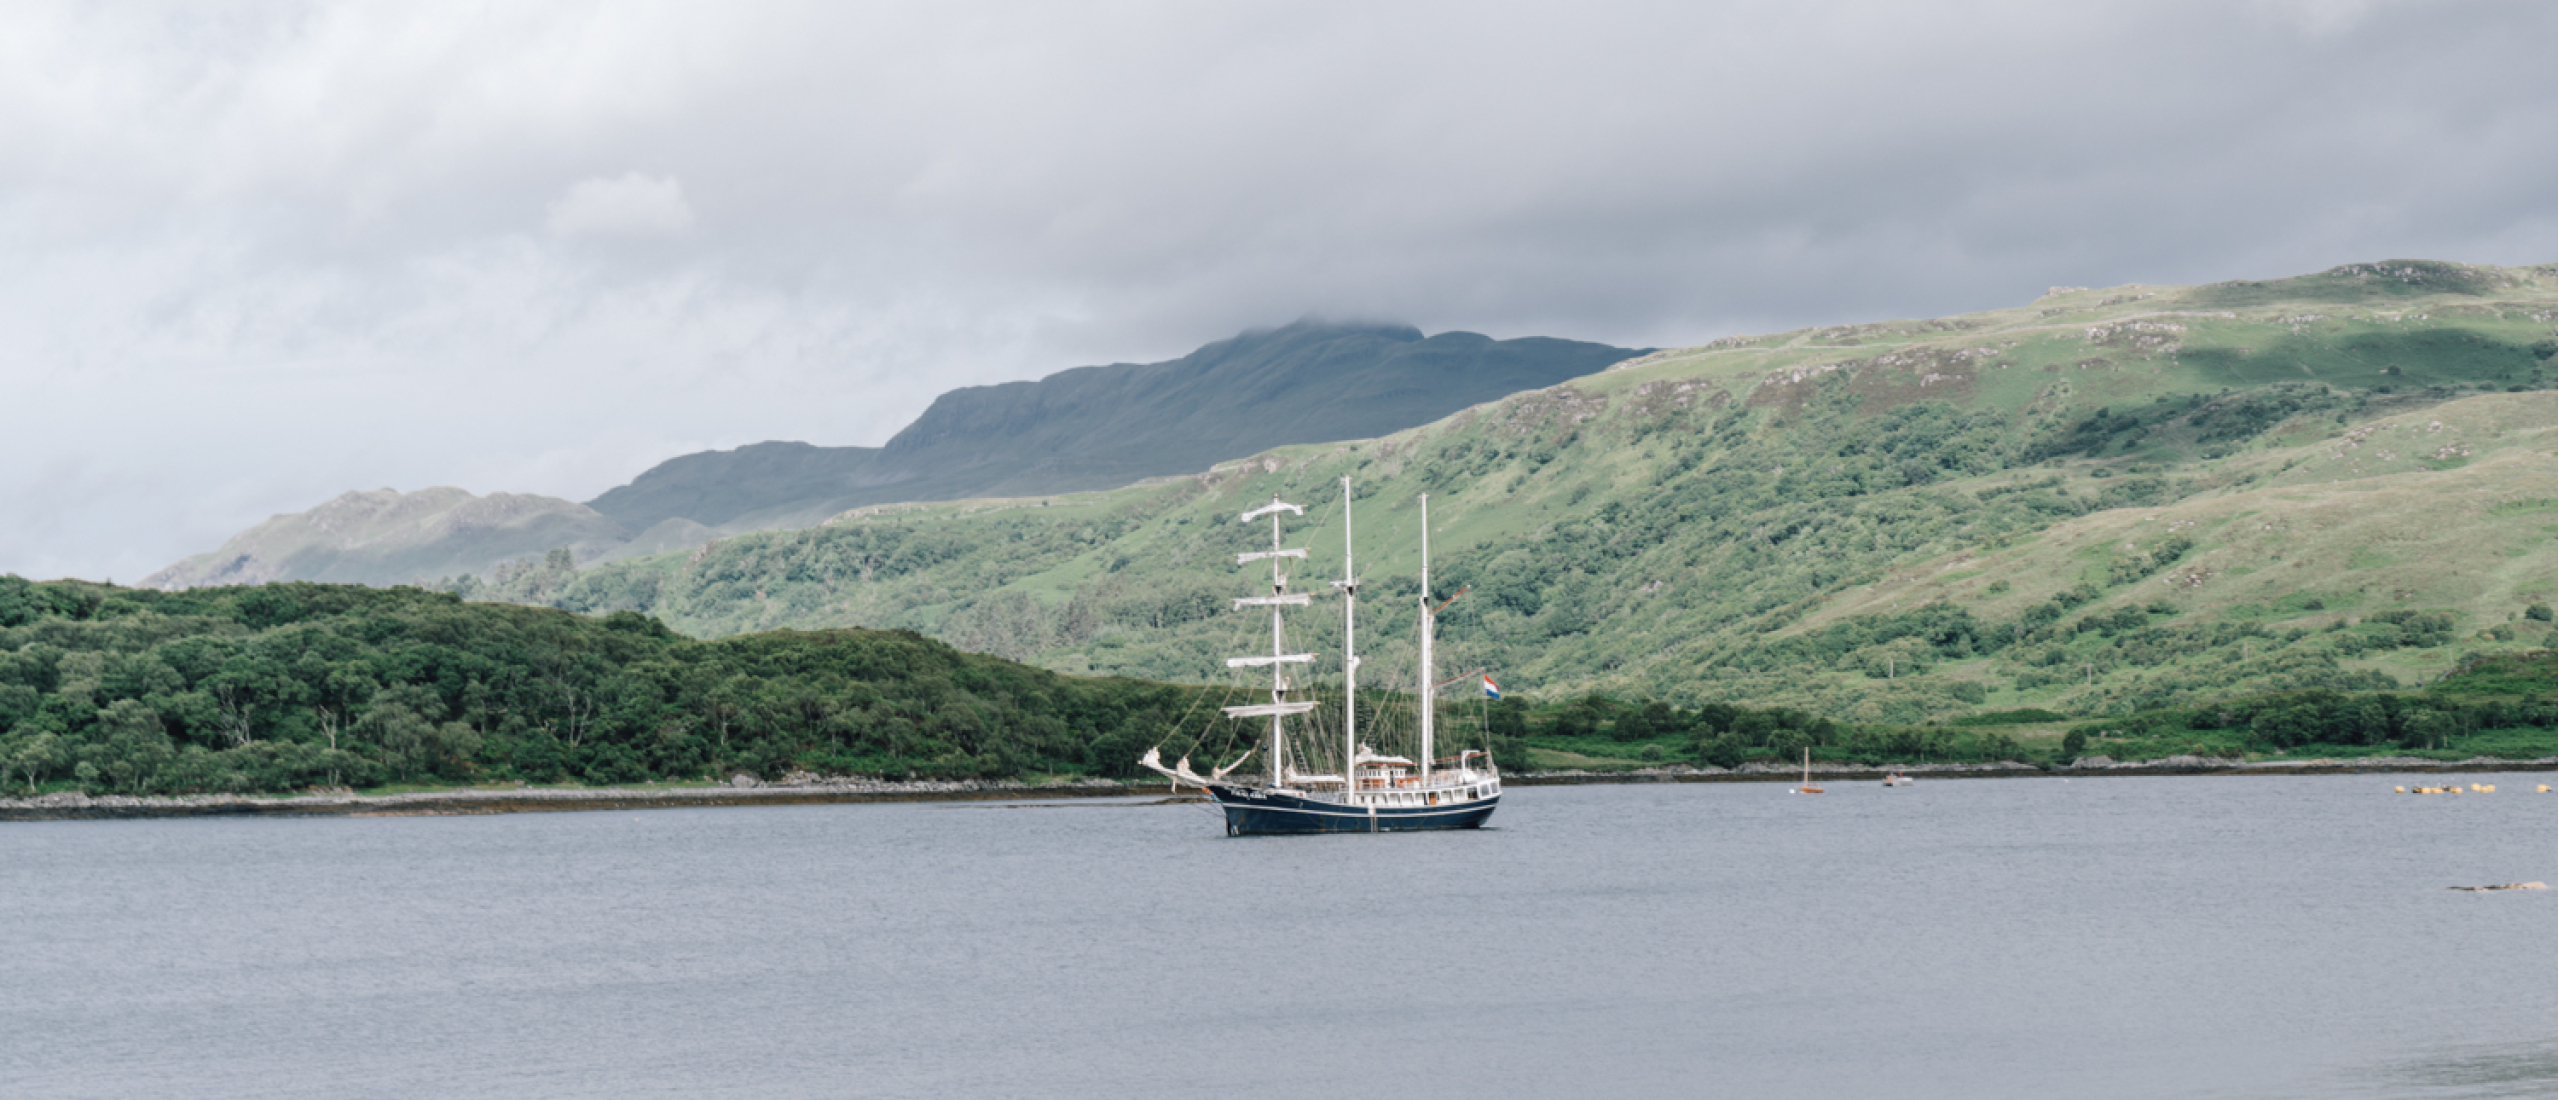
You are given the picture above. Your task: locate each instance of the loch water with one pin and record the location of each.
(2133, 937)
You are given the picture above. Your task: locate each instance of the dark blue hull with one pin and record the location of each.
(1255, 811)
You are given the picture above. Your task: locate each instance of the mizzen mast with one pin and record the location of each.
(1349, 586)
(1429, 700)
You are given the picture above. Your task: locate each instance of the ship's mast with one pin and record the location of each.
(1429, 705)
(1279, 706)
(1349, 586)
(1278, 668)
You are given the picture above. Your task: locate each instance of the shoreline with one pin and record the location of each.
(2097, 767)
(472, 801)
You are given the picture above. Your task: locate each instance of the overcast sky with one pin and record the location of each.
(256, 254)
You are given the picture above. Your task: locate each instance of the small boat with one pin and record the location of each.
(1896, 779)
(1807, 787)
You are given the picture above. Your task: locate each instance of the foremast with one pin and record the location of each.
(1278, 659)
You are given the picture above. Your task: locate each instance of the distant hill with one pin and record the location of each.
(2095, 503)
(370, 536)
(1104, 427)
(1086, 428)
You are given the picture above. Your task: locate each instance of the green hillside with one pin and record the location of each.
(2100, 502)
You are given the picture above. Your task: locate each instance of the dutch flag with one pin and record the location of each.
(1490, 690)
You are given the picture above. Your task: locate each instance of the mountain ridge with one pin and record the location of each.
(1106, 426)
(1077, 429)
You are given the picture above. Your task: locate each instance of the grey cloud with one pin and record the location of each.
(291, 249)
(631, 204)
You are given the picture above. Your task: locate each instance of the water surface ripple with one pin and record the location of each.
(2136, 937)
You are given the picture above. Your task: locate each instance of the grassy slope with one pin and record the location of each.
(2308, 537)
(1672, 527)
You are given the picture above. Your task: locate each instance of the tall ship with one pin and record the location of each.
(1310, 783)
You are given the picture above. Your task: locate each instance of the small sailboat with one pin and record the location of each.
(1807, 787)
(1373, 792)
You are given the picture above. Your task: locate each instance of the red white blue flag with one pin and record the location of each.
(1490, 690)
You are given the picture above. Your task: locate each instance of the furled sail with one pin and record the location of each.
(1180, 773)
(1267, 661)
(1221, 772)
(1265, 710)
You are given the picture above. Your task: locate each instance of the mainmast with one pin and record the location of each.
(1429, 675)
(1349, 586)
(1279, 706)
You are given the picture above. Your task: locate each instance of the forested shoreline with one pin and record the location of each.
(2500, 705)
(292, 687)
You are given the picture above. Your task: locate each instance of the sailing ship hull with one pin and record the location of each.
(1257, 811)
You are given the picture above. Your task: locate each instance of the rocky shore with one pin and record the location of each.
(803, 789)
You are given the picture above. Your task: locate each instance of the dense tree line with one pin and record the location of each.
(289, 686)
(1727, 736)
(2502, 693)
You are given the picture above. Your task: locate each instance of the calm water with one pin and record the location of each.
(1988, 938)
